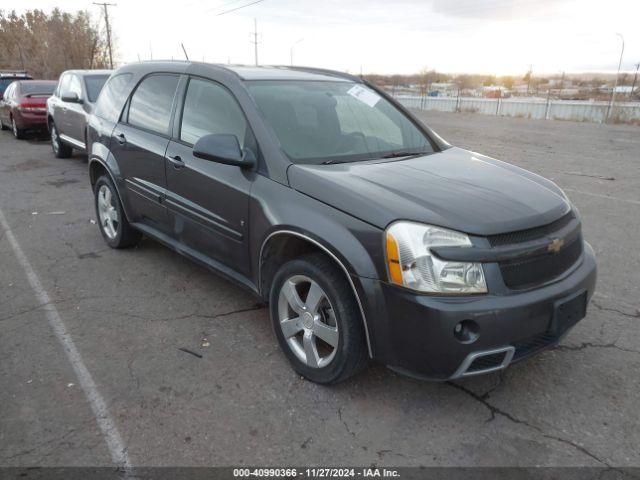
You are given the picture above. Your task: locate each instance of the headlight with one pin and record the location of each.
(411, 263)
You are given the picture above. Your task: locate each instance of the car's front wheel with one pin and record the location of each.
(317, 321)
(60, 150)
(114, 226)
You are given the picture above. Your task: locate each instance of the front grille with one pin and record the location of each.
(530, 234)
(487, 361)
(530, 345)
(531, 271)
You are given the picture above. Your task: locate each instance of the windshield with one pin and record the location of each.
(334, 122)
(37, 88)
(94, 84)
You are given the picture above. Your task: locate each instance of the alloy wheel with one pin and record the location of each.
(309, 327)
(54, 139)
(107, 212)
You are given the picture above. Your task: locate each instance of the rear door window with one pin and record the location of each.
(151, 103)
(94, 84)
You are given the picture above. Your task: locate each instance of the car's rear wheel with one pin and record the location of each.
(3, 126)
(17, 132)
(60, 150)
(113, 223)
(317, 321)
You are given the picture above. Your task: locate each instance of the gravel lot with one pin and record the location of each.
(130, 312)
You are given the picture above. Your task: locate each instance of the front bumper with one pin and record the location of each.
(414, 333)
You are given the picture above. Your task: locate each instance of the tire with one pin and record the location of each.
(17, 132)
(3, 126)
(337, 315)
(60, 150)
(112, 221)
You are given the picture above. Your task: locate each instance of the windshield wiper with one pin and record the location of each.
(332, 162)
(402, 154)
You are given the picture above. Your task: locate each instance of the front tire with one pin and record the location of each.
(322, 335)
(113, 223)
(60, 150)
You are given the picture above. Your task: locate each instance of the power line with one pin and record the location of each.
(106, 20)
(225, 4)
(238, 8)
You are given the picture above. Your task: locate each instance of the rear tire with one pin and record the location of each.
(112, 221)
(3, 126)
(60, 150)
(17, 132)
(323, 339)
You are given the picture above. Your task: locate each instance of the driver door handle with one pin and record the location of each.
(176, 161)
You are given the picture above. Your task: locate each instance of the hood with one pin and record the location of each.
(455, 188)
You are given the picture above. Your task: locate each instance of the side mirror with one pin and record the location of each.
(222, 148)
(71, 97)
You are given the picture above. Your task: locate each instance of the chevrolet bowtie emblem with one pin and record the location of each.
(555, 245)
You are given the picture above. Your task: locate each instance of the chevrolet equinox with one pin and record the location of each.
(369, 236)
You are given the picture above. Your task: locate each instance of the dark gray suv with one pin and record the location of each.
(69, 106)
(369, 236)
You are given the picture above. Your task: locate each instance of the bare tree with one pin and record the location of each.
(47, 44)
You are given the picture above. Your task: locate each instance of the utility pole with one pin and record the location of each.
(615, 84)
(106, 20)
(255, 40)
(291, 50)
(561, 85)
(529, 74)
(635, 77)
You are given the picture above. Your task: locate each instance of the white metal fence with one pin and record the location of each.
(579, 111)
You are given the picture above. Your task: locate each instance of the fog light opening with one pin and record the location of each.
(466, 331)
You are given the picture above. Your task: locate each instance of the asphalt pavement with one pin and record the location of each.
(188, 372)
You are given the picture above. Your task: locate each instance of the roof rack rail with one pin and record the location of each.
(325, 71)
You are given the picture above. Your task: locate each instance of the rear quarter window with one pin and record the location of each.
(113, 97)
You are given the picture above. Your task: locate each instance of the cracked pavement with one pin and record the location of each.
(138, 317)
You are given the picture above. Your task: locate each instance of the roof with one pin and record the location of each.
(249, 72)
(89, 72)
(28, 80)
(285, 73)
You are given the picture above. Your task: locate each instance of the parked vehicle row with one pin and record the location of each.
(369, 235)
(61, 107)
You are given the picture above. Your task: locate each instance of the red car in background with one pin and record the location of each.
(24, 106)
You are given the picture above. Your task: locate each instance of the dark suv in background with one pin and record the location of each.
(368, 235)
(68, 108)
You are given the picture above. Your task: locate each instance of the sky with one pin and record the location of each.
(501, 37)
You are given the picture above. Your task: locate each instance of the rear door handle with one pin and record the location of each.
(176, 161)
(121, 138)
